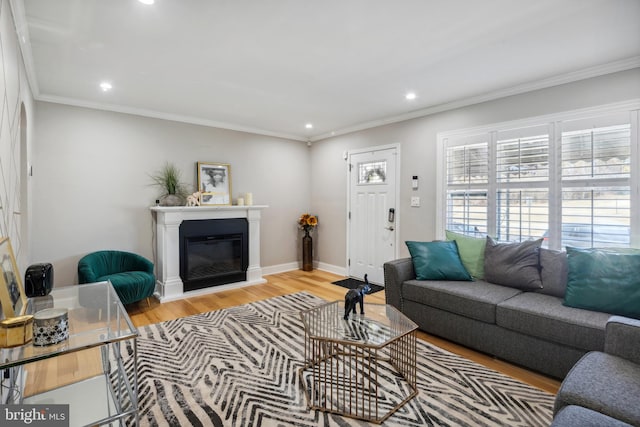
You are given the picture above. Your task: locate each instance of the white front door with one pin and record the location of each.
(372, 211)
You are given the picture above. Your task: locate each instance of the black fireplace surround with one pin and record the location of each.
(213, 252)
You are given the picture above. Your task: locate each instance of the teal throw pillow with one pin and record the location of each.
(606, 280)
(471, 251)
(437, 261)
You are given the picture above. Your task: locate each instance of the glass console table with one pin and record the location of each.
(100, 327)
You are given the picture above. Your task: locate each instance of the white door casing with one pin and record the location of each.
(372, 215)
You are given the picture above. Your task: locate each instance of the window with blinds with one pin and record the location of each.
(596, 186)
(467, 179)
(522, 183)
(568, 181)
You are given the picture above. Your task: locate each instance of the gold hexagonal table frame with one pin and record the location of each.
(364, 367)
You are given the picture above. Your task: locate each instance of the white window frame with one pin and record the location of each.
(554, 123)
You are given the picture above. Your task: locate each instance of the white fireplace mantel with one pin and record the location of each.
(167, 247)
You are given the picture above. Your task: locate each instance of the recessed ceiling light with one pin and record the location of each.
(147, 1)
(106, 86)
(410, 96)
(309, 126)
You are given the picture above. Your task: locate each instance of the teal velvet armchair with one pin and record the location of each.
(131, 274)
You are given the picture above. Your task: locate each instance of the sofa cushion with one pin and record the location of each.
(437, 261)
(471, 251)
(604, 383)
(513, 264)
(577, 416)
(604, 280)
(475, 300)
(544, 316)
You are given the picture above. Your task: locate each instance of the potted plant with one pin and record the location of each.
(173, 190)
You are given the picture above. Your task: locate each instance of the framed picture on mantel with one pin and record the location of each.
(214, 182)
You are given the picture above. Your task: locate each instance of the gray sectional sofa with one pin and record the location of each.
(596, 354)
(603, 388)
(529, 328)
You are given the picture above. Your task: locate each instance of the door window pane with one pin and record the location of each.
(372, 172)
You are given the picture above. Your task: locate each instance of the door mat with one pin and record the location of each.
(352, 283)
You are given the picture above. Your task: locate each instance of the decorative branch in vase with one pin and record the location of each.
(307, 223)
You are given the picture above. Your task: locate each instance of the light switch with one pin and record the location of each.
(415, 201)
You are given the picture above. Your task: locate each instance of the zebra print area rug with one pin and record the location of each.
(239, 367)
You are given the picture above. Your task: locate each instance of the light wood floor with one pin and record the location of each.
(72, 367)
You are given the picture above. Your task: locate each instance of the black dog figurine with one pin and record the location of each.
(355, 296)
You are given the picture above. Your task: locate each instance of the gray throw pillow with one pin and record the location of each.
(553, 272)
(515, 265)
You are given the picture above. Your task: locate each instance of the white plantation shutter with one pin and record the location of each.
(569, 179)
(522, 183)
(467, 179)
(596, 182)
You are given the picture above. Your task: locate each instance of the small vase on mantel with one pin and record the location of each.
(171, 200)
(307, 252)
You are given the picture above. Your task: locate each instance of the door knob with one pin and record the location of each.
(390, 228)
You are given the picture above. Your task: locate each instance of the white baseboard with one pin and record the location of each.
(280, 268)
(341, 271)
(290, 266)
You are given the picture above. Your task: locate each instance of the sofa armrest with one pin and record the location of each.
(395, 273)
(622, 338)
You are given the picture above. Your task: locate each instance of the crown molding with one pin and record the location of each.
(563, 116)
(599, 70)
(166, 116)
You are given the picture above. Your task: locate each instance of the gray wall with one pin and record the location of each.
(417, 139)
(91, 182)
(91, 186)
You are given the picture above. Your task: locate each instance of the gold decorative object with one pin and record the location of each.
(12, 296)
(344, 360)
(16, 331)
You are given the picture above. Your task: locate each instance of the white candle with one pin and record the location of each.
(249, 199)
(240, 201)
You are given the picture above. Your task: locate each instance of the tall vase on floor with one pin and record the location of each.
(307, 252)
(307, 223)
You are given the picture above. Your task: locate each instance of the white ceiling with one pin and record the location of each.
(272, 66)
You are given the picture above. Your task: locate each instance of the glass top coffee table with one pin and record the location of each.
(364, 367)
